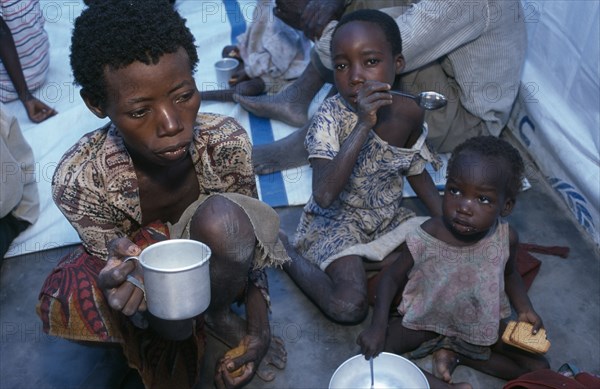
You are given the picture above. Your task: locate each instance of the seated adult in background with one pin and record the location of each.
(24, 56)
(271, 53)
(19, 199)
(471, 52)
(158, 170)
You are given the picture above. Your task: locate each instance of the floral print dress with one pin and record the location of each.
(369, 206)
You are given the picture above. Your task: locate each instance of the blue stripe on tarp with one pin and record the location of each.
(272, 187)
(235, 17)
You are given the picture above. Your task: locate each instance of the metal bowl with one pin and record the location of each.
(390, 371)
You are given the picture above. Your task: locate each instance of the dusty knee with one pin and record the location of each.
(351, 308)
(224, 227)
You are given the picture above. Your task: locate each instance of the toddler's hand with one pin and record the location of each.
(532, 317)
(372, 341)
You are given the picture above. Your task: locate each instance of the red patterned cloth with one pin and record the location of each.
(70, 303)
(528, 265)
(72, 306)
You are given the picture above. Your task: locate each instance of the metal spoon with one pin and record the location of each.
(372, 374)
(425, 100)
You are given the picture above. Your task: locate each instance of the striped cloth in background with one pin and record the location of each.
(25, 19)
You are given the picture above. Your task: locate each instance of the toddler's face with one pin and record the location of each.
(475, 195)
(154, 107)
(360, 52)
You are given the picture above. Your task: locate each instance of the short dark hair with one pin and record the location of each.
(387, 24)
(490, 146)
(116, 33)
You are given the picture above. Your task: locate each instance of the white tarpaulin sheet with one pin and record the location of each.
(557, 114)
(214, 24)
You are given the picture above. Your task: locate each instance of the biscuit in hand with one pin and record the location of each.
(234, 353)
(518, 334)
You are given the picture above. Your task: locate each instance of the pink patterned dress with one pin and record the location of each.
(457, 291)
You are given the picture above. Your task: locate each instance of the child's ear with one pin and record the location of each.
(92, 104)
(399, 61)
(508, 207)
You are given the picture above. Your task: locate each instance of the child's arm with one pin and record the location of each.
(425, 189)
(515, 288)
(330, 176)
(37, 111)
(393, 279)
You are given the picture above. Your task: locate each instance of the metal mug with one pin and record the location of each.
(176, 278)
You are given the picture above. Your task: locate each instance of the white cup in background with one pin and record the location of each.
(225, 68)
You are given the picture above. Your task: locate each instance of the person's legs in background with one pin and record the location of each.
(10, 228)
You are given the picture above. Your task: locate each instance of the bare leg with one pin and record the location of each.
(286, 153)
(226, 229)
(250, 87)
(289, 105)
(340, 292)
(219, 222)
(223, 95)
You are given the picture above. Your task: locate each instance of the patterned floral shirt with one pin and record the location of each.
(96, 188)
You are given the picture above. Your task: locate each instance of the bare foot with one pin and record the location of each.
(285, 153)
(286, 106)
(276, 357)
(444, 363)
